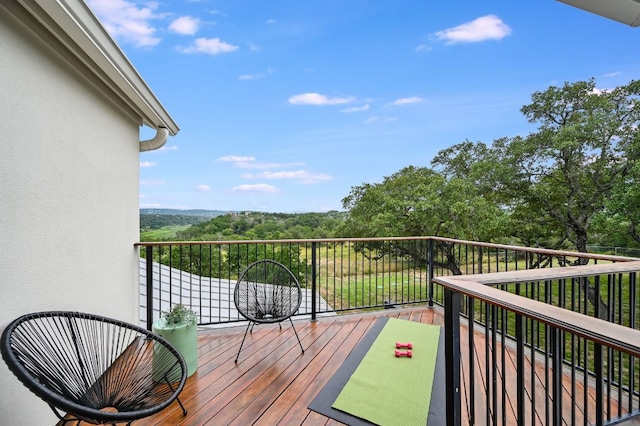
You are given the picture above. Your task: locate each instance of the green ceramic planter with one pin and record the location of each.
(184, 337)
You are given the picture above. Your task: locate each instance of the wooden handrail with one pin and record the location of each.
(542, 274)
(615, 336)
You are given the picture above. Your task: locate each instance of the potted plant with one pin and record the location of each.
(178, 326)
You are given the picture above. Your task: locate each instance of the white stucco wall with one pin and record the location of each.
(69, 169)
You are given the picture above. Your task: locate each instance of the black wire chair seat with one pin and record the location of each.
(267, 292)
(96, 369)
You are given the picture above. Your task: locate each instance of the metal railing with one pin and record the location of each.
(337, 275)
(346, 275)
(535, 344)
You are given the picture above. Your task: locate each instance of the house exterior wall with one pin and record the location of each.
(69, 198)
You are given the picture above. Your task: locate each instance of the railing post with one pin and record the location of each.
(452, 355)
(556, 348)
(598, 370)
(149, 266)
(313, 280)
(520, 384)
(471, 342)
(430, 266)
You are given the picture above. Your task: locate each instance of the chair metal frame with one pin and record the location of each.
(82, 364)
(267, 292)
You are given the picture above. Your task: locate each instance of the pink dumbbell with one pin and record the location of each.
(407, 345)
(408, 354)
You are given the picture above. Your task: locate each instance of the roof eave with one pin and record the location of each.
(625, 11)
(73, 24)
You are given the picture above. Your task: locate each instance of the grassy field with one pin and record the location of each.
(167, 233)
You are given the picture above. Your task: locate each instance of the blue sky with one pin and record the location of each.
(285, 105)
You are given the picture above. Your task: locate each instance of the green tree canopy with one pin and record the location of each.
(624, 204)
(554, 181)
(418, 201)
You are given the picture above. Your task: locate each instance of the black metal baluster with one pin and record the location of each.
(452, 356)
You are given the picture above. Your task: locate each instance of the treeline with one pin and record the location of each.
(157, 221)
(265, 226)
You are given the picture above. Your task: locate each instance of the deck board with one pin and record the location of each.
(273, 383)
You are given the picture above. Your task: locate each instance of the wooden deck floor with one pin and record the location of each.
(273, 383)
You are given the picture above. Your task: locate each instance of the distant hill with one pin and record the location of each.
(160, 218)
(196, 212)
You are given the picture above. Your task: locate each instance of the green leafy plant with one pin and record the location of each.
(179, 314)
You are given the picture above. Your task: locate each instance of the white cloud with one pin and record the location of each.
(251, 76)
(209, 46)
(406, 101)
(611, 74)
(147, 164)
(271, 21)
(126, 21)
(356, 109)
(597, 91)
(488, 27)
(185, 25)
(300, 175)
(318, 99)
(379, 119)
(204, 188)
(258, 187)
(251, 163)
(152, 182)
(257, 76)
(247, 165)
(168, 148)
(236, 159)
(423, 48)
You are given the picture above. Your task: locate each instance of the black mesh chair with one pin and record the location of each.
(267, 292)
(94, 368)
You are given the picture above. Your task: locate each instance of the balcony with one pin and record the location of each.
(531, 336)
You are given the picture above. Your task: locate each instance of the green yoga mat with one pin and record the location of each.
(386, 390)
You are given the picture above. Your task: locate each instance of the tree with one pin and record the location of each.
(242, 255)
(202, 260)
(557, 180)
(418, 201)
(586, 143)
(625, 202)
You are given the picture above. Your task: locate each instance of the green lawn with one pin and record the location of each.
(166, 233)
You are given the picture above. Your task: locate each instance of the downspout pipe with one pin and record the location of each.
(157, 141)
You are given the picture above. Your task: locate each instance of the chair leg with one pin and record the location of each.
(184, 411)
(245, 336)
(296, 333)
